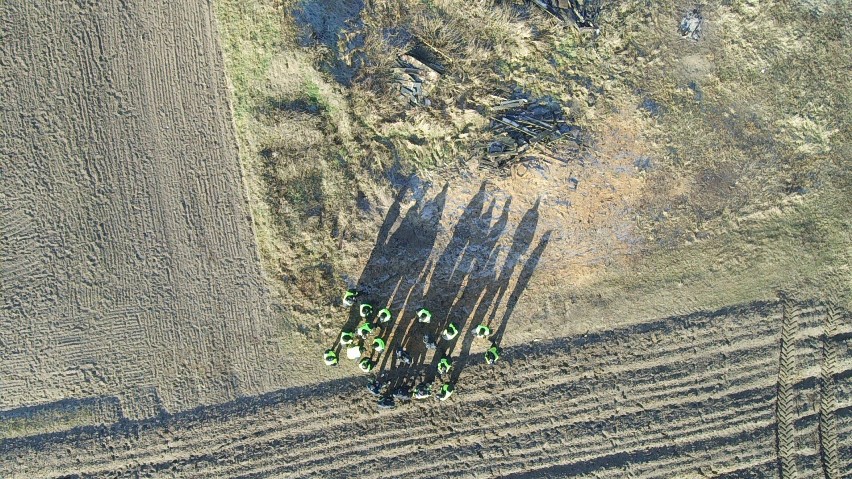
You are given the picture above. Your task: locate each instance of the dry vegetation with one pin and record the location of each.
(745, 132)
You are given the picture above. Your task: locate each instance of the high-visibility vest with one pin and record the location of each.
(483, 331)
(330, 358)
(349, 296)
(446, 391)
(494, 354)
(451, 331)
(365, 329)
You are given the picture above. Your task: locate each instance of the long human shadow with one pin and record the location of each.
(411, 253)
(466, 282)
(520, 243)
(521, 284)
(462, 285)
(377, 255)
(471, 237)
(398, 260)
(409, 333)
(486, 292)
(454, 290)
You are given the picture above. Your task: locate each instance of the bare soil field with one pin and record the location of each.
(130, 280)
(717, 394)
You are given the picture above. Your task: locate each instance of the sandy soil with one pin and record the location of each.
(129, 272)
(692, 396)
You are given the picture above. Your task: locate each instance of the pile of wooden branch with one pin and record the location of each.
(582, 13)
(414, 79)
(521, 128)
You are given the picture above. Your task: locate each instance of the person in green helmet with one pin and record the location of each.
(349, 297)
(450, 332)
(445, 392)
(384, 315)
(330, 357)
(365, 310)
(444, 365)
(366, 365)
(482, 331)
(364, 330)
(378, 345)
(493, 354)
(346, 338)
(424, 315)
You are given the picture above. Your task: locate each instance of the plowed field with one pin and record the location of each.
(129, 271)
(722, 394)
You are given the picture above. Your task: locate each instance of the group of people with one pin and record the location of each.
(354, 344)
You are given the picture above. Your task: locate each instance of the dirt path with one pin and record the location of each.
(129, 269)
(685, 396)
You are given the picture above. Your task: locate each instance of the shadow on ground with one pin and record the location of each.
(467, 284)
(289, 399)
(322, 22)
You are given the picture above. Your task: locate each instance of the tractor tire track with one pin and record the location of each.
(828, 397)
(786, 406)
(520, 384)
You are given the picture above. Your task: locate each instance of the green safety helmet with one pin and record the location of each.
(424, 315)
(444, 365)
(451, 331)
(365, 310)
(483, 331)
(349, 295)
(330, 357)
(366, 365)
(384, 315)
(492, 355)
(379, 344)
(365, 329)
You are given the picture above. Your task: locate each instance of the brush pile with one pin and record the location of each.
(520, 126)
(582, 13)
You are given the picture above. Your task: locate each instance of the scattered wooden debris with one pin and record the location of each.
(415, 79)
(521, 129)
(581, 13)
